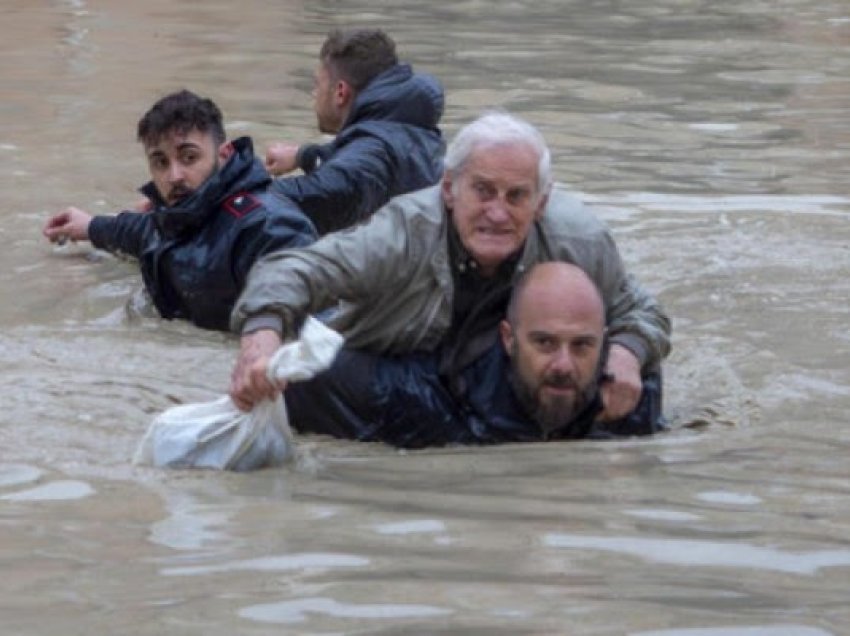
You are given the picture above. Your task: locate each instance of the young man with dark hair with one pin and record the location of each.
(358, 56)
(212, 214)
(385, 118)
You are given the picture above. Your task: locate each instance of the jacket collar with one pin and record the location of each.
(535, 247)
(242, 171)
(463, 263)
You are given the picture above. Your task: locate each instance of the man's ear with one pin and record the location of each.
(225, 151)
(507, 336)
(541, 207)
(446, 189)
(343, 94)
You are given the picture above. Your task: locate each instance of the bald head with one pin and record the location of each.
(556, 289)
(553, 335)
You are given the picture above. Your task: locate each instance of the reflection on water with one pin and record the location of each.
(663, 515)
(297, 611)
(740, 630)
(275, 563)
(635, 203)
(712, 137)
(707, 553)
(190, 524)
(736, 498)
(14, 474)
(53, 491)
(410, 527)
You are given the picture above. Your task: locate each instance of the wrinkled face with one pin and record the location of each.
(555, 357)
(494, 200)
(179, 164)
(328, 115)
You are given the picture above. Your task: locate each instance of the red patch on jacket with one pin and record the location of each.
(240, 204)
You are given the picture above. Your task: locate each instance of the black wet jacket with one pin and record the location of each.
(195, 256)
(404, 401)
(389, 145)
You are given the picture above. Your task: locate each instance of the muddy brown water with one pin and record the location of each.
(713, 137)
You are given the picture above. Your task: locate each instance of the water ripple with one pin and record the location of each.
(296, 611)
(706, 553)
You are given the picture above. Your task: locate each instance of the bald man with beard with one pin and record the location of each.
(538, 381)
(554, 335)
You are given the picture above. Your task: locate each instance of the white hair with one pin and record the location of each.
(496, 128)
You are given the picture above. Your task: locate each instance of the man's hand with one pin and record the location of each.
(280, 158)
(249, 383)
(71, 223)
(621, 393)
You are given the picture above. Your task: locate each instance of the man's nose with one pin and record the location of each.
(176, 173)
(497, 210)
(562, 360)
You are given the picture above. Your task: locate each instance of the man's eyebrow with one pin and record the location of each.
(587, 337)
(186, 145)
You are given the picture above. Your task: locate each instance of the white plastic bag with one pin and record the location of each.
(218, 435)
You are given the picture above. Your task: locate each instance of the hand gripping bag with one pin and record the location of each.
(218, 435)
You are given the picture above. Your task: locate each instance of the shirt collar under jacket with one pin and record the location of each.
(464, 265)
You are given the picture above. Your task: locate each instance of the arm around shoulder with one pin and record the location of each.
(635, 318)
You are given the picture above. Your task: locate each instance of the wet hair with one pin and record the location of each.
(358, 55)
(181, 112)
(495, 128)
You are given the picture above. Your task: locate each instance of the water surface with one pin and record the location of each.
(712, 137)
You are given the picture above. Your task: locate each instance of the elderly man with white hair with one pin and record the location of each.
(432, 270)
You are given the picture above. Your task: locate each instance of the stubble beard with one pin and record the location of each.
(180, 193)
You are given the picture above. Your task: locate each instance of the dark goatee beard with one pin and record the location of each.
(558, 413)
(178, 194)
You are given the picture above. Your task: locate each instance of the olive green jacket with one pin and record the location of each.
(392, 279)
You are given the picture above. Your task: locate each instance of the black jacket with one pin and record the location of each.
(195, 257)
(389, 145)
(404, 401)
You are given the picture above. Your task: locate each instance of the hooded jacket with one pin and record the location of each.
(390, 144)
(195, 257)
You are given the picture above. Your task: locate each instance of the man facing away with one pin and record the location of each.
(212, 215)
(433, 270)
(385, 118)
(538, 381)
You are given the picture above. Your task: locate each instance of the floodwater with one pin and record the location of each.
(714, 139)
